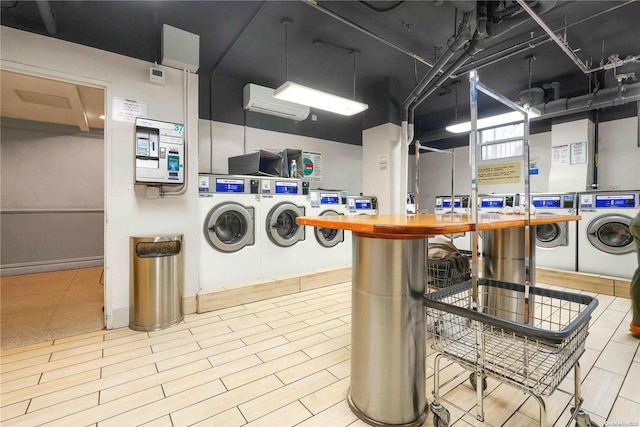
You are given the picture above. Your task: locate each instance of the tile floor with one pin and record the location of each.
(48, 306)
(278, 362)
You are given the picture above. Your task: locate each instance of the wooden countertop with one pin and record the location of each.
(417, 226)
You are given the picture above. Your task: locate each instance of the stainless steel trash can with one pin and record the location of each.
(503, 257)
(156, 282)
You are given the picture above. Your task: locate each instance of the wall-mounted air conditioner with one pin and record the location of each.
(260, 99)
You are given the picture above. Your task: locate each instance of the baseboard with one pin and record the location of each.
(51, 265)
(189, 304)
(595, 283)
(216, 299)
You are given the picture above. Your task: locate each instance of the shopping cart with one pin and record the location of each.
(530, 344)
(445, 272)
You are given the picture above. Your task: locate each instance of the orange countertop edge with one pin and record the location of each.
(415, 226)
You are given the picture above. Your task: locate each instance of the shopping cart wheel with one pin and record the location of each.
(441, 416)
(583, 419)
(474, 382)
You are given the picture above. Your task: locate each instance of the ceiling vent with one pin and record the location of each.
(260, 100)
(43, 99)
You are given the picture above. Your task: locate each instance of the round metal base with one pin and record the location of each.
(417, 422)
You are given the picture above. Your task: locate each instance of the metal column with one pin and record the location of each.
(388, 331)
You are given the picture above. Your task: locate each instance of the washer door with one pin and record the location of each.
(328, 237)
(229, 227)
(610, 234)
(552, 235)
(282, 228)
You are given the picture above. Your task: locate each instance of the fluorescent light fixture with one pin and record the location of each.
(299, 94)
(493, 121)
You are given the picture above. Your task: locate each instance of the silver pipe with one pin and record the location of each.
(617, 63)
(553, 36)
(474, 151)
(416, 190)
(638, 116)
(500, 98)
(367, 32)
(47, 16)
(435, 150)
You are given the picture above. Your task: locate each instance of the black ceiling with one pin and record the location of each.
(246, 40)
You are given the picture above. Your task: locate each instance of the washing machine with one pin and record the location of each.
(461, 205)
(229, 208)
(362, 205)
(332, 247)
(605, 245)
(285, 246)
(492, 203)
(556, 244)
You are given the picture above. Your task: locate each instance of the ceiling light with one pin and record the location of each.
(299, 94)
(101, 116)
(493, 121)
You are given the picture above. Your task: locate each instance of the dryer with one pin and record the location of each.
(229, 208)
(461, 205)
(284, 249)
(331, 248)
(605, 244)
(556, 244)
(362, 205)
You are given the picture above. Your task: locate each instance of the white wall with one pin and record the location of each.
(572, 177)
(619, 155)
(378, 179)
(435, 173)
(49, 170)
(126, 213)
(342, 163)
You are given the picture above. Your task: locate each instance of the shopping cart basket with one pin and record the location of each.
(530, 345)
(445, 272)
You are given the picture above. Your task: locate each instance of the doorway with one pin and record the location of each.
(52, 209)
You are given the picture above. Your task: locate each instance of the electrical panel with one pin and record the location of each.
(159, 152)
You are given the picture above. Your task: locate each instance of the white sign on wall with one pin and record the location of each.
(312, 165)
(560, 155)
(126, 110)
(579, 153)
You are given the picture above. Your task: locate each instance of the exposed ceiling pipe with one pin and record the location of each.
(457, 44)
(554, 36)
(47, 16)
(475, 45)
(353, 25)
(530, 44)
(501, 22)
(604, 98)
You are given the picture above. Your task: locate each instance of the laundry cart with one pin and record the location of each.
(516, 333)
(534, 356)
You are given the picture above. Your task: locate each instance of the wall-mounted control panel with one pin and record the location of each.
(159, 152)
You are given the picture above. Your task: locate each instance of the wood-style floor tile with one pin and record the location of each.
(225, 401)
(287, 416)
(283, 361)
(260, 406)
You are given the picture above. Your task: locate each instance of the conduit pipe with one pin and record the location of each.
(604, 98)
(532, 43)
(353, 25)
(475, 45)
(48, 18)
(554, 36)
(461, 39)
